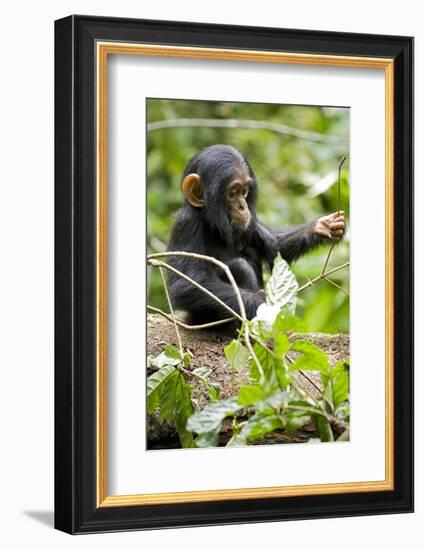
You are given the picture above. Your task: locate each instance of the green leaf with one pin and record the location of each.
(274, 402)
(339, 377)
(311, 358)
(282, 371)
(249, 395)
(257, 426)
(155, 384)
(280, 399)
(281, 344)
(286, 321)
(172, 353)
(237, 355)
(214, 391)
(282, 286)
(183, 411)
(324, 429)
(208, 439)
(163, 359)
(295, 420)
(265, 359)
(210, 418)
(202, 372)
(168, 397)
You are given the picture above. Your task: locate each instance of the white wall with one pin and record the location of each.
(26, 277)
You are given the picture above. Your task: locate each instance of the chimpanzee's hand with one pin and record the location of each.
(331, 227)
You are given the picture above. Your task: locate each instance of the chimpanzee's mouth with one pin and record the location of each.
(242, 222)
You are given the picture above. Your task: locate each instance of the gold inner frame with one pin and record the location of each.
(104, 49)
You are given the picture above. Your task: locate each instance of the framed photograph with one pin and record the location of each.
(234, 274)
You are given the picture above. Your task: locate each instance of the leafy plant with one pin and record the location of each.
(273, 399)
(168, 390)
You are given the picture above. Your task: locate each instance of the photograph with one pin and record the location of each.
(247, 273)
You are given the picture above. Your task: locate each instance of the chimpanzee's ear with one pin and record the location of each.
(193, 190)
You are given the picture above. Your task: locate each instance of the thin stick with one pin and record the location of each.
(242, 317)
(339, 184)
(159, 263)
(327, 259)
(322, 276)
(249, 124)
(185, 325)
(338, 212)
(180, 344)
(333, 420)
(337, 286)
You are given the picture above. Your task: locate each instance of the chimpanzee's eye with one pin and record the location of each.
(245, 192)
(232, 194)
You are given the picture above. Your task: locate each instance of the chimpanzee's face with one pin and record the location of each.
(236, 199)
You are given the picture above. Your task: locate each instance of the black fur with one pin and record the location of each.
(208, 230)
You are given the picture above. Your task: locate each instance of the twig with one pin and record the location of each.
(333, 420)
(303, 373)
(327, 258)
(185, 325)
(338, 211)
(249, 124)
(242, 317)
(339, 183)
(180, 344)
(159, 263)
(337, 286)
(322, 276)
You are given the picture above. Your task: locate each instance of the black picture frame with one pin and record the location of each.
(76, 509)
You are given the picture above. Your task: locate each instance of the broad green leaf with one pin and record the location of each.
(261, 329)
(237, 355)
(311, 358)
(281, 344)
(280, 399)
(202, 372)
(249, 395)
(282, 371)
(183, 411)
(295, 420)
(163, 359)
(276, 401)
(172, 352)
(257, 426)
(210, 418)
(286, 321)
(155, 385)
(324, 429)
(208, 439)
(168, 397)
(282, 286)
(265, 359)
(339, 377)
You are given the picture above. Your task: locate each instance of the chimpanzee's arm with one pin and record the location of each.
(296, 241)
(290, 242)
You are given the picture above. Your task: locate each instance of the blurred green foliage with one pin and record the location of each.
(297, 182)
